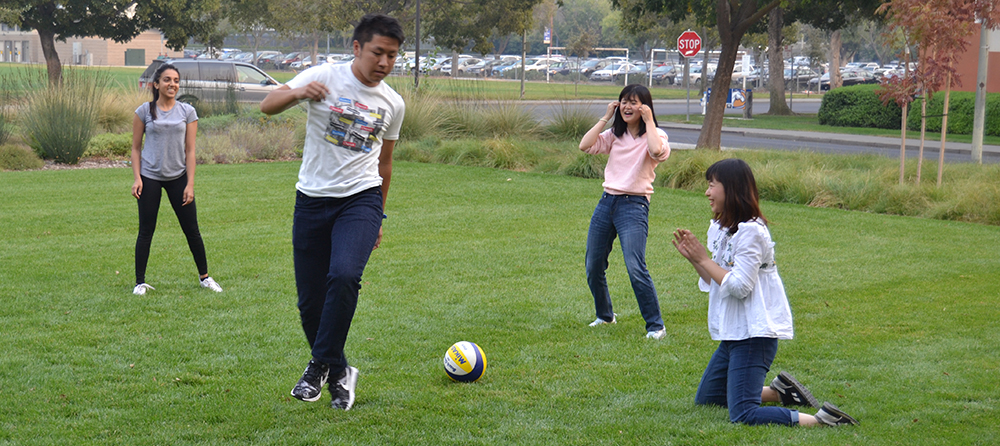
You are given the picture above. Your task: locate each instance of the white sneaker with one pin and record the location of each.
(342, 390)
(658, 334)
(209, 283)
(141, 288)
(599, 321)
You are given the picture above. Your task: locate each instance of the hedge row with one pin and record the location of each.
(961, 109)
(860, 106)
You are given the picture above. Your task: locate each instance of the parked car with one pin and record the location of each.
(695, 74)
(848, 77)
(665, 74)
(589, 67)
(499, 70)
(564, 67)
(265, 54)
(611, 72)
(463, 65)
(485, 68)
(291, 57)
(211, 80)
(798, 77)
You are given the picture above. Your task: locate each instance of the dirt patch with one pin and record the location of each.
(87, 163)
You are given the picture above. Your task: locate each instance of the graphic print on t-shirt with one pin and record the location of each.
(354, 126)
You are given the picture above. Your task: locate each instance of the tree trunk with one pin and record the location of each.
(902, 146)
(776, 64)
(923, 130)
(48, 42)
(944, 130)
(835, 47)
(711, 129)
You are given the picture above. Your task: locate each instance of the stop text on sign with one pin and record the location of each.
(689, 43)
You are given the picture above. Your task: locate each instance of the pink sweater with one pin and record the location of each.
(630, 166)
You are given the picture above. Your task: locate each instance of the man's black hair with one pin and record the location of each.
(377, 24)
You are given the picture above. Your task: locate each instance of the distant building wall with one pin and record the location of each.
(968, 63)
(25, 47)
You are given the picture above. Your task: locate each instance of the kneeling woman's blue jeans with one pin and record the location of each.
(734, 379)
(627, 217)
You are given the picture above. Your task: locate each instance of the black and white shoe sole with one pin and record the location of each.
(799, 390)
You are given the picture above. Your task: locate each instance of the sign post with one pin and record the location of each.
(688, 44)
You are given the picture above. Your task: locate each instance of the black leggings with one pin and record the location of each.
(149, 207)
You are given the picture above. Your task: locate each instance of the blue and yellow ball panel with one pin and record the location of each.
(465, 362)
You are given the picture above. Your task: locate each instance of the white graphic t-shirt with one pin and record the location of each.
(344, 132)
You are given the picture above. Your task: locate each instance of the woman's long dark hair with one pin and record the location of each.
(156, 90)
(618, 125)
(740, 190)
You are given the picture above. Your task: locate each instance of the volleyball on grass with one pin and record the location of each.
(465, 362)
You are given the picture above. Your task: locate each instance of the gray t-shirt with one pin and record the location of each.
(163, 149)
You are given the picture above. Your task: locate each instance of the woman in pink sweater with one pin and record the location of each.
(634, 146)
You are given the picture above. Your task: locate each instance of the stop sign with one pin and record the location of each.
(689, 43)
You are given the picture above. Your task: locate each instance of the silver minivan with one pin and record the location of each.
(211, 80)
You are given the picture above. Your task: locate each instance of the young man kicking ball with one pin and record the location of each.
(352, 127)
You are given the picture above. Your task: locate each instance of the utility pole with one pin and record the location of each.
(979, 113)
(416, 53)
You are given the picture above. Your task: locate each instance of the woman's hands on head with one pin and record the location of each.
(610, 114)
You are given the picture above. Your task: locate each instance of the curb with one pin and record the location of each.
(863, 141)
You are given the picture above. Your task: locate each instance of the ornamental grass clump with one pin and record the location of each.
(570, 123)
(59, 121)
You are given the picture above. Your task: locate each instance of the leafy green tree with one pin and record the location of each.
(457, 24)
(733, 18)
(249, 17)
(118, 20)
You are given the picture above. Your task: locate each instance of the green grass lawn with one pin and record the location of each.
(895, 319)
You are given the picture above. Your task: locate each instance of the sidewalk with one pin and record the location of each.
(857, 140)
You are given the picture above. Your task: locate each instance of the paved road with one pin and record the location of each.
(830, 143)
(685, 135)
(543, 110)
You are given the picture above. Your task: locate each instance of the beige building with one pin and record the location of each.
(24, 47)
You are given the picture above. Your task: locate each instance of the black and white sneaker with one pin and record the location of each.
(342, 389)
(830, 415)
(792, 392)
(310, 387)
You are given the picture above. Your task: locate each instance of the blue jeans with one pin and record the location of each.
(625, 217)
(332, 240)
(734, 379)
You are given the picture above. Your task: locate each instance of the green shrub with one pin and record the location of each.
(961, 112)
(18, 157)
(59, 121)
(424, 115)
(247, 139)
(218, 149)
(110, 145)
(216, 123)
(6, 115)
(570, 123)
(508, 119)
(263, 141)
(858, 106)
(510, 153)
(586, 165)
(117, 108)
(419, 151)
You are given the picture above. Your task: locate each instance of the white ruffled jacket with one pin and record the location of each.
(750, 302)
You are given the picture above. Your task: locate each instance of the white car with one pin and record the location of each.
(541, 63)
(611, 72)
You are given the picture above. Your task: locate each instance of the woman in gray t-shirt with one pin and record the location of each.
(165, 161)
